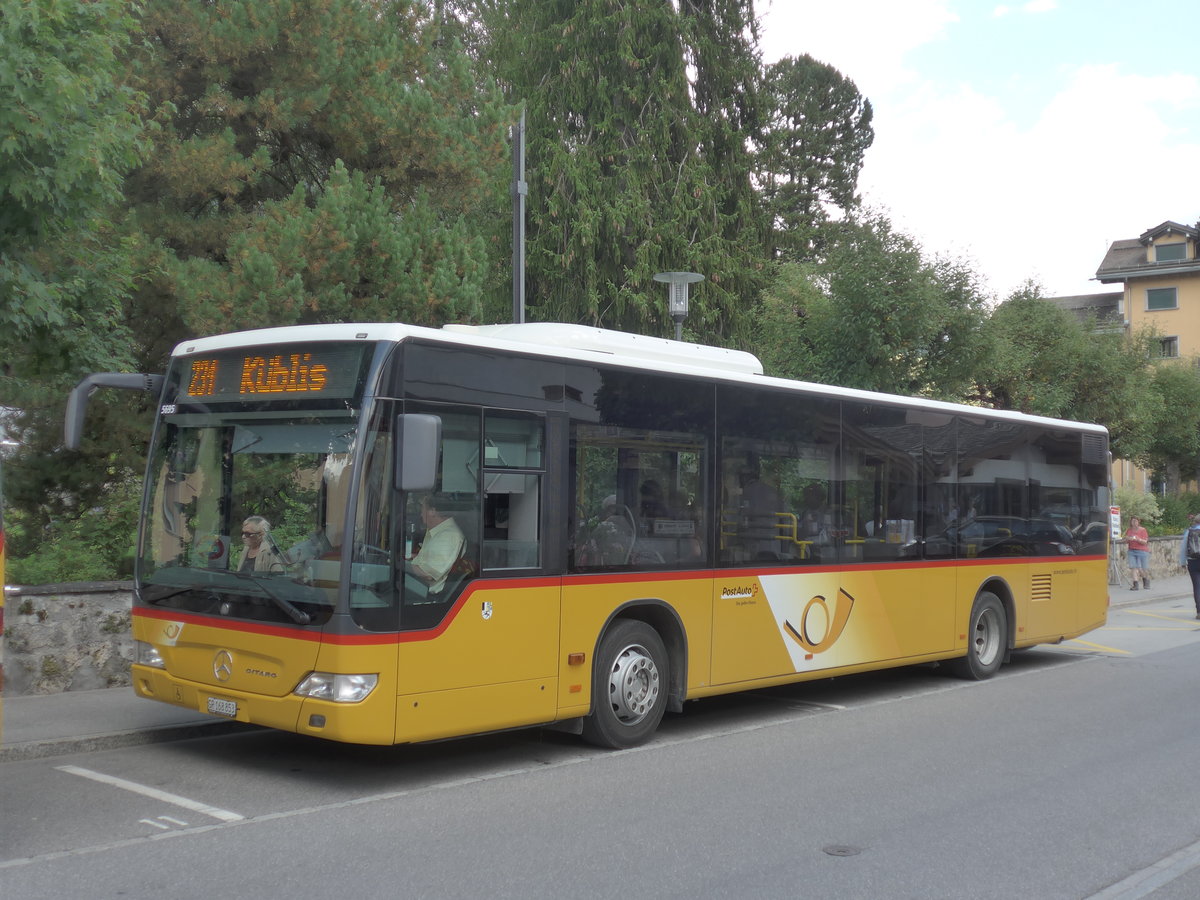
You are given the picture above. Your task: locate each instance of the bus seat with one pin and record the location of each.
(463, 570)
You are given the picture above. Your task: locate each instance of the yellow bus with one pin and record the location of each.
(381, 533)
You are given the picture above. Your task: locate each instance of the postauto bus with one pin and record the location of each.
(476, 528)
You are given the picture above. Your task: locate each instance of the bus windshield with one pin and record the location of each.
(245, 513)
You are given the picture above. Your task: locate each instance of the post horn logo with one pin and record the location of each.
(223, 665)
(820, 628)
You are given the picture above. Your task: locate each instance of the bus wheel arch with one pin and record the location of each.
(989, 635)
(637, 673)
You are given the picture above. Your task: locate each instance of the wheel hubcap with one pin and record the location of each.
(633, 684)
(987, 637)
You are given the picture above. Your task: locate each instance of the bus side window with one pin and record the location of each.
(511, 510)
(513, 463)
(639, 498)
(779, 463)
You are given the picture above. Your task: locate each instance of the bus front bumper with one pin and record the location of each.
(370, 721)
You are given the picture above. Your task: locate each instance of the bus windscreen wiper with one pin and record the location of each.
(163, 598)
(268, 587)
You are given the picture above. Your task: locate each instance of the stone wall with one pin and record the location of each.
(67, 637)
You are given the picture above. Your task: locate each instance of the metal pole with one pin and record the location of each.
(520, 191)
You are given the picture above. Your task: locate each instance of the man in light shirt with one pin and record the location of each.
(425, 573)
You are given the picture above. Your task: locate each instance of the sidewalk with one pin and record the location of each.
(42, 725)
(1172, 588)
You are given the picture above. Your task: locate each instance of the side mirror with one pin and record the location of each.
(418, 442)
(78, 398)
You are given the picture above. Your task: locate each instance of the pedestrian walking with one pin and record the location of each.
(1138, 549)
(1189, 558)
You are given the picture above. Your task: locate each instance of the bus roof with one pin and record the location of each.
(587, 344)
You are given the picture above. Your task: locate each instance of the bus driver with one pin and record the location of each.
(444, 542)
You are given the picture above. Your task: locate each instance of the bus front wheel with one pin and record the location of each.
(987, 639)
(629, 686)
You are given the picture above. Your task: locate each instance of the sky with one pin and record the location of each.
(1022, 138)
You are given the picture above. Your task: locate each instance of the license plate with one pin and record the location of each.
(219, 707)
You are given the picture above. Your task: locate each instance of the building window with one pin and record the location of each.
(1170, 252)
(1168, 348)
(1161, 298)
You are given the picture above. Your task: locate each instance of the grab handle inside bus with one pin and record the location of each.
(82, 392)
(418, 440)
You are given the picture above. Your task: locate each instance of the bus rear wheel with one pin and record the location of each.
(629, 686)
(987, 639)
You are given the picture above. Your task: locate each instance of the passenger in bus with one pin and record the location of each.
(759, 507)
(653, 502)
(612, 538)
(444, 543)
(258, 553)
(816, 519)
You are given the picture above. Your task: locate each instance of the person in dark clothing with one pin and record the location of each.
(1189, 558)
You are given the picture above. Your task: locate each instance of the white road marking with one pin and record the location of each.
(158, 821)
(1145, 882)
(146, 791)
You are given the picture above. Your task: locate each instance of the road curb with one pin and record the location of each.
(1142, 601)
(133, 738)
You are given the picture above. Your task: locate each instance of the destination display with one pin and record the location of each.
(282, 372)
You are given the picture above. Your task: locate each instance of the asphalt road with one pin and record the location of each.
(1069, 775)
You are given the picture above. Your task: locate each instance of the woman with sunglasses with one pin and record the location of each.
(258, 552)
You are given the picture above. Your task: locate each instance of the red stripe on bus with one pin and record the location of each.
(408, 637)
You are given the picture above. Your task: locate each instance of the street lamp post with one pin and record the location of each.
(677, 295)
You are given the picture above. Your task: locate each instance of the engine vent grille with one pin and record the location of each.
(1042, 587)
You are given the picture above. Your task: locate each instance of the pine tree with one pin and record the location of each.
(626, 179)
(314, 160)
(811, 151)
(721, 39)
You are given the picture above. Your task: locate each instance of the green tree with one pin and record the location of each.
(1136, 503)
(810, 152)
(306, 161)
(339, 258)
(1036, 349)
(1177, 512)
(877, 315)
(69, 130)
(720, 46)
(1173, 449)
(785, 346)
(1045, 361)
(313, 161)
(624, 179)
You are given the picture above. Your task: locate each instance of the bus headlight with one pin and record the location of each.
(145, 654)
(338, 688)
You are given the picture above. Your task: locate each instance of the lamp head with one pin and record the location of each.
(677, 288)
